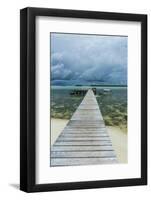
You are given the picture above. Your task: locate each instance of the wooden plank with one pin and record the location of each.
(72, 135)
(83, 154)
(87, 118)
(84, 140)
(89, 129)
(81, 161)
(82, 148)
(84, 133)
(87, 122)
(89, 134)
(78, 143)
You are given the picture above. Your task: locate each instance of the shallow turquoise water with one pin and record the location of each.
(113, 105)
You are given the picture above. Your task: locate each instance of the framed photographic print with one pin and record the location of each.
(83, 99)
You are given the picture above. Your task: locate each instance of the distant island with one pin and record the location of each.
(104, 85)
(87, 83)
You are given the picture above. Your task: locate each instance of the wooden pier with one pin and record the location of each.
(84, 140)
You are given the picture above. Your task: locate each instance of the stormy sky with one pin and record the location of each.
(88, 59)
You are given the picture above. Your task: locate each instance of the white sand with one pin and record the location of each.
(57, 125)
(118, 137)
(119, 142)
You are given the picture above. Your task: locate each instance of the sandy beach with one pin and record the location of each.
(57, 125)
(119, 142)
(118, 137)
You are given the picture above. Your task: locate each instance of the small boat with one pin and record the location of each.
(106, 90)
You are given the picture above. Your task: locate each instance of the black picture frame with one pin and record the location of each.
(28, 99)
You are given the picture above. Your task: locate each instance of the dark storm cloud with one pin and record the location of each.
(89, 58)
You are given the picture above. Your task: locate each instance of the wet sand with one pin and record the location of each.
(118, 137)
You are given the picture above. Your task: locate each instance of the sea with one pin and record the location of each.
(112, 101)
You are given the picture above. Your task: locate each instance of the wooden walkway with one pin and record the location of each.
(84, 140)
